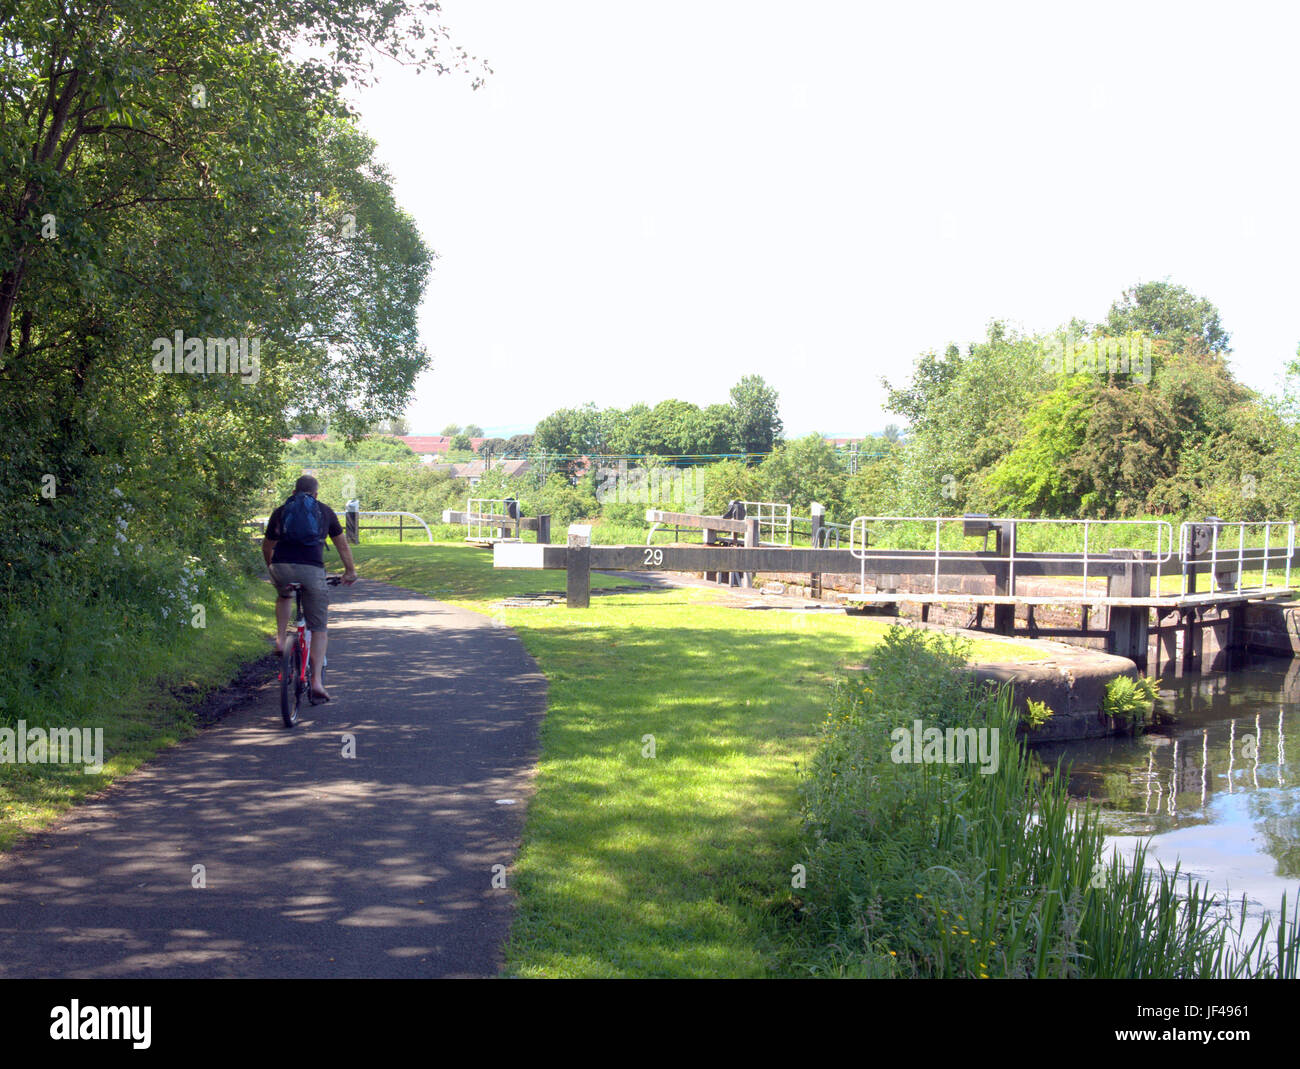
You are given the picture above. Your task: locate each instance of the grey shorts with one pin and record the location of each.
(315, 599)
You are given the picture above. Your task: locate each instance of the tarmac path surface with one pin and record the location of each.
(315, 864)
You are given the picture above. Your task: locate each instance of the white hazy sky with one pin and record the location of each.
(650, 201)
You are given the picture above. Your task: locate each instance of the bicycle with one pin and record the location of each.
(295, 667)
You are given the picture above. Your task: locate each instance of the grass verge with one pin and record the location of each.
(143, 697)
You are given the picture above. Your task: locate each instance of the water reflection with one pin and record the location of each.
(1214, 790)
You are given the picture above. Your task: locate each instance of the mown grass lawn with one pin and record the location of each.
(676, 864)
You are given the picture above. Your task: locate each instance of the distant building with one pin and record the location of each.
(474, 470)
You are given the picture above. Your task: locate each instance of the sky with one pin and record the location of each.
(651, 201)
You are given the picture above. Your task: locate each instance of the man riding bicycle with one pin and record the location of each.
(295, 535)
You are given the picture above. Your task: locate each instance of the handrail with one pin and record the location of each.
(1186, 550)
(774, 520)
(411, 514)
(858, 544)
(474, 525)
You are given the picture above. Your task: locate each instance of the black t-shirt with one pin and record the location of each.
(296, 552)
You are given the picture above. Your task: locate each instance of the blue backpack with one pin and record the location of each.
(301, 521)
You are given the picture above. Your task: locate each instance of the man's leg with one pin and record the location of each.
(283, 610)
(319, 641)
(315, 607)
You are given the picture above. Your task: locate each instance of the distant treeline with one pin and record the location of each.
(1135, 416)
(750, 423)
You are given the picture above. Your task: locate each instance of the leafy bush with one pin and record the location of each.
(624, 513)
(726, 481)
(565, 503)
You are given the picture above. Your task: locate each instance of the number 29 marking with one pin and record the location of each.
(654, 558)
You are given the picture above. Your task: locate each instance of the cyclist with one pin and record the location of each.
(295, 535)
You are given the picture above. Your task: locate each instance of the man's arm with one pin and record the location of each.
(268, 547)
(345, 555)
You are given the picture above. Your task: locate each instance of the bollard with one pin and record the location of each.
(816, 515)
(578, 567)
(1004, 616)
(352, 528)
(751, 541)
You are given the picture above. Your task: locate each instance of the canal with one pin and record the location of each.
(1217, 790)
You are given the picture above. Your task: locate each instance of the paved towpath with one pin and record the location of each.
(315, 864)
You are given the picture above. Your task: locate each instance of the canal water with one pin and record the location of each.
(1218, 790)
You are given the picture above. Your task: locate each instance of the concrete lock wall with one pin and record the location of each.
(1273, 628)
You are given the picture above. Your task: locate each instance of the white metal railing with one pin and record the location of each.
(476, 528)
(1231, 559)
(1162, 552)
(772, 516)
(412, 515)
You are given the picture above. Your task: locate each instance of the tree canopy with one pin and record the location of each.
(176, 180)
(1004, 428)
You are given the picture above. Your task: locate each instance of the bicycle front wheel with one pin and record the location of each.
(291, 682)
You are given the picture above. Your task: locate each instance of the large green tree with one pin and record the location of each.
(802, 471)
(177, 167)
(966, 411)
(1171, 313)
(757, 422)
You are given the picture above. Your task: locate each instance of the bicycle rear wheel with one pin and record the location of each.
(291, 682)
